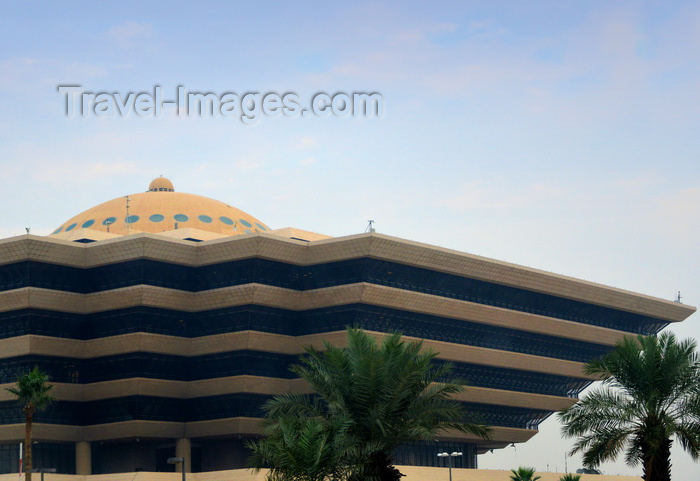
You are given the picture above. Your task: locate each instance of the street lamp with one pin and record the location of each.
(43, 470)
(176, 461)
(449, 457)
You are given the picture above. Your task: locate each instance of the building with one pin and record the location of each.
(166, 319)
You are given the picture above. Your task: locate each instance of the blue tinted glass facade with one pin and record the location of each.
(424, 453)
(114, 276)
(256, 363)
(295, 323)
(147, 408)
(270, 320)
(60, 456)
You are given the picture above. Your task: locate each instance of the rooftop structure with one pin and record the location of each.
(161, 209)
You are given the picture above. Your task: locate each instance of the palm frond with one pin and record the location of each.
(387, 394)
(651, 392)
(32, 390)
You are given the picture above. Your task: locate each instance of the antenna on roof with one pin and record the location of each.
(370, 226)
(128, 223)
(678, 298)
(28, 229)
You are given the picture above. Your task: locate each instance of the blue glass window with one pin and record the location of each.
(181, 217)
(57, 230)
(88, 223)
(226, 220)
(13, 276)
(156, 218)
(109, 220)
(246, 223)
(205, 218)
(71, 227)
(132, 219)
(260, 226)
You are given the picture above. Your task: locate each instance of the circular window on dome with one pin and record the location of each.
(181, 217)
(132, 219)
(260, 226)
(226, 220)
(156, 218)
(109, 220)
(246, 223)
(88, 223)
(71, 227)
(205, 218)
(57, 230)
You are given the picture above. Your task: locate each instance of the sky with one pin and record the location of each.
(557, 135)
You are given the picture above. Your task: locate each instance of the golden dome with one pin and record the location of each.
(162, 209)
(161, 184)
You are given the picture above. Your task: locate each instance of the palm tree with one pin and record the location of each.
(523, 474)
(650, 393)
(570, 477)
(388, 395)
(303, 449)
(32, 391)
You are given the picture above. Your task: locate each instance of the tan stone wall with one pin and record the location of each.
(413, 473)
(420, 473)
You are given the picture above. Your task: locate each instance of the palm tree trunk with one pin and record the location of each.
(28, 414)
(379, 467)
(657, 466)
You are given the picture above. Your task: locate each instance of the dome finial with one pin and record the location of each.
(161, 184)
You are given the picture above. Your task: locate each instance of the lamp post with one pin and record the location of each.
(43, 470)
(449, 457)
(176, 461)
(46, 470)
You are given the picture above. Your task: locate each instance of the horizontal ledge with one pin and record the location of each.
(372, 245)
(293, 300)
(267, 342)
(243, 426)
(264, 385)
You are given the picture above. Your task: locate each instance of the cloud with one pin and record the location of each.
(306, 142)
(102, 153)
(75, 172)
(420, 34)
(674, 215)
(247, 164)
(492, 196)
(82, 71)
(32, 75)
(608, 67)
(14, 72)
(308, 161)
(130, 34)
